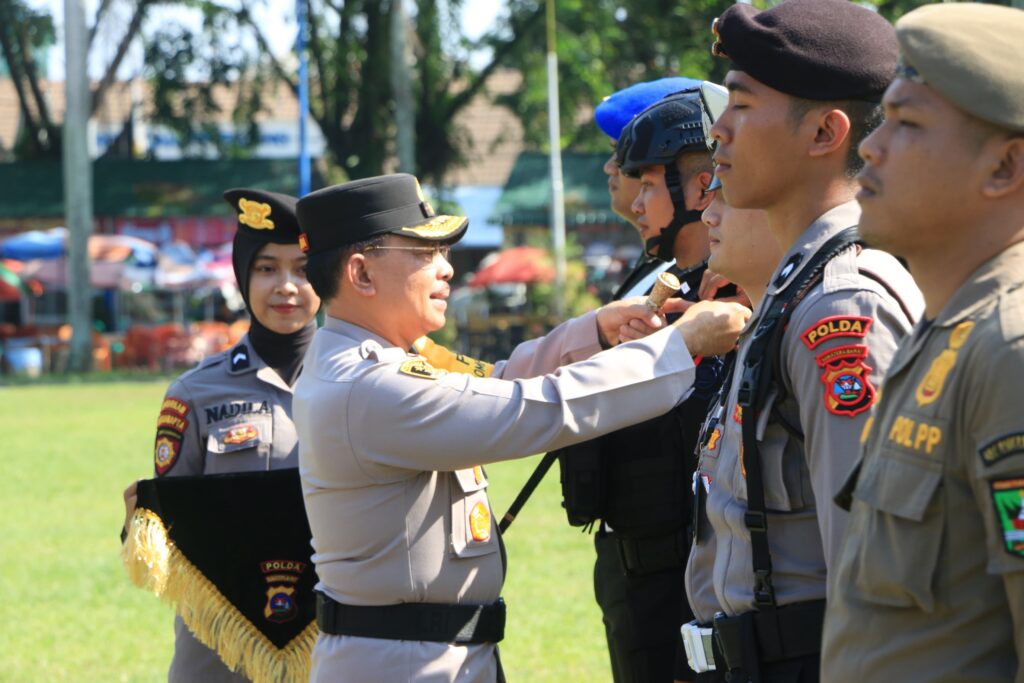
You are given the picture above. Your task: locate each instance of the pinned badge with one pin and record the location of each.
(930, 388)
(480, 522)
(255, 214)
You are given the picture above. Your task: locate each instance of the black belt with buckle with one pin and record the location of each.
(439, 623)
(786, 632)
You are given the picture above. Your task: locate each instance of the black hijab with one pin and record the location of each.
(267, 218)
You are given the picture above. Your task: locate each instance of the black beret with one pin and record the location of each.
(265, 216)
(814, 49)
(353, 212)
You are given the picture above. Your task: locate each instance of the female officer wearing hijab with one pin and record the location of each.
(233, 412)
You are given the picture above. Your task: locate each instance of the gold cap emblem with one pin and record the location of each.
(255, 214)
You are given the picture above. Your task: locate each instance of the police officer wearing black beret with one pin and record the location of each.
(805, 80)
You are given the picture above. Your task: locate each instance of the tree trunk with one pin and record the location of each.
(77, 187)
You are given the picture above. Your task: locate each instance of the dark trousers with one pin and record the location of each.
(642, 616)
(799, 670)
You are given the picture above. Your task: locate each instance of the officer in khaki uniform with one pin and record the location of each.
(784, 436)
(406, 549)
(232, 413)
(930, 581)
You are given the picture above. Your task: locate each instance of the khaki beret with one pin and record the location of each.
(972, 54)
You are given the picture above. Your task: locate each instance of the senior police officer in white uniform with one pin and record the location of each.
(406, 550)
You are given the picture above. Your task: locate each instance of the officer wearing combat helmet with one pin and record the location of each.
(929, 585)
(804, 83)
(407, 553)
(612, 115)
(640, 476)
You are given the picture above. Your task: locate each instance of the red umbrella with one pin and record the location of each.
(519, 264)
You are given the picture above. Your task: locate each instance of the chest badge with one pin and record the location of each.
(930, 388)
(480, 522)
(241, 434)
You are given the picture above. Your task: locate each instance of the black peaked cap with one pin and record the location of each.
(814, 49)
(363, 209)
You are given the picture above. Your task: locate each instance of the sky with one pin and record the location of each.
(477, 18)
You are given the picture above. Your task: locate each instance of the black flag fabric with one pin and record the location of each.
(232, 553)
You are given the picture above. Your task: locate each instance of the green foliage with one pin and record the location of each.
(540, 298)
(69, 613)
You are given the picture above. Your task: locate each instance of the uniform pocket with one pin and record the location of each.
(895, 542)
(472, 528)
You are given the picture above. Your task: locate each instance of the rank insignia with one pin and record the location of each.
(835, 326)
(420, 368)
(1008, 498)
(848, 391)
(255, 214)
(166, 450)
(239, 358)
(1003, 447)
(480, 522)
(280, 604)
(930, 388)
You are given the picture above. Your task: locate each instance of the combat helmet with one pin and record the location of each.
(657, 135)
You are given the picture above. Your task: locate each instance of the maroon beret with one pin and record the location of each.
(814, 49)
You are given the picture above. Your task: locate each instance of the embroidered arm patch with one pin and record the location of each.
(1008, 499)
(835, 326)
(1002, 447)
(170, 428)
(848, 391)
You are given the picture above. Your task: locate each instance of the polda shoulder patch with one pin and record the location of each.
(835, 326)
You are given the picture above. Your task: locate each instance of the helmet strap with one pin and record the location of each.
(662, 245)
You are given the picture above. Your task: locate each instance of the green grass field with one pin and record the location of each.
(69, 613)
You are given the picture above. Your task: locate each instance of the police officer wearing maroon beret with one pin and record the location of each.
(804, 84)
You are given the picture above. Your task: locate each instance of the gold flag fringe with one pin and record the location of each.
(155, 564)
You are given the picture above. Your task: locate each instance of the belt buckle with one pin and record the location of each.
(697, 641)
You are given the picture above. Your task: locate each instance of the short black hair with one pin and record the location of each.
(865, 116)
(323, 268)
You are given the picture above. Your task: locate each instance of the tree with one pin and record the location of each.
(351, 99)
(24, 32)
(606, 45)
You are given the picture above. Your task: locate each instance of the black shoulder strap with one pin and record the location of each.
(760, 371)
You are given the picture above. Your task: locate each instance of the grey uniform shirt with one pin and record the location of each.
(834, 354)
(231, 413)
(390, 470)
(930, 581)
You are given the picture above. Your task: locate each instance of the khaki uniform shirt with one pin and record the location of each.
(930, 581)
(390, 466)
(231, 413)
(834, 353)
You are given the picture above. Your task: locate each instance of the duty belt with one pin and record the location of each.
(653, 554)
(440, 623)
(786, 632)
